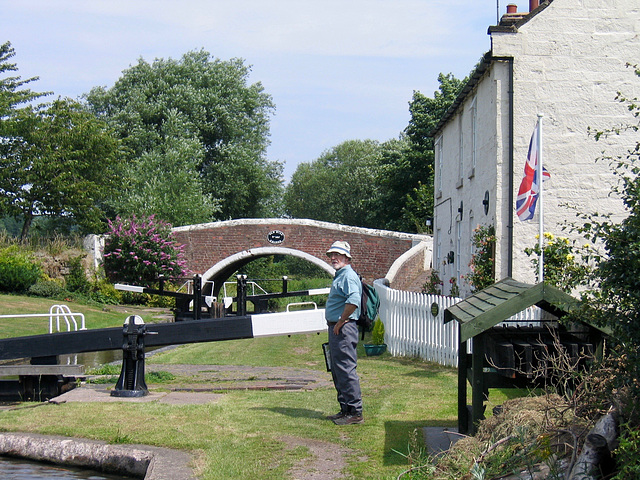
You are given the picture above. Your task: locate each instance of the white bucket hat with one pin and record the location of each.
(340, 247)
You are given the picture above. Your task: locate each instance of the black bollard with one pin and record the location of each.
(131, 382)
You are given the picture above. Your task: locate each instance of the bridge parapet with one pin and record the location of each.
(374, 251)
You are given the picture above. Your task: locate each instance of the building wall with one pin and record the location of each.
(454, 229)
(569, 61)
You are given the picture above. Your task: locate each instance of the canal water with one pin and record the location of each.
(91, 359)
(20, 469)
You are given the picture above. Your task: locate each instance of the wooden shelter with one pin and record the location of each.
(507, 353)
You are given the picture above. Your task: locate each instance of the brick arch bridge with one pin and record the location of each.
(216, 250)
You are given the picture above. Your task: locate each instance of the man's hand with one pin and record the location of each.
(349, 308)
(338, 326)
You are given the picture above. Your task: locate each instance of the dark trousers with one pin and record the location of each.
(344, 360)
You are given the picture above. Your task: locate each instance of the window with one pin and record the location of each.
(439, 166)
(460, 151)
(438, 260)
(458, 248)
(474, 135)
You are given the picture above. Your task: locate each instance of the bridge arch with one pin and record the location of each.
(218, 273)
(218, 248)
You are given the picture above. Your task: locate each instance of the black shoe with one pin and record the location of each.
(336, 416)
(349, 420)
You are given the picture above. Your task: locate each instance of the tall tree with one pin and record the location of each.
(13, 93)
(59, 160)
(408, 165)
(220, 122)
(55, 159)
(339, 186)
(13, 97)
(163, 181)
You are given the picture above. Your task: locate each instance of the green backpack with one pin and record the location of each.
(369, 305)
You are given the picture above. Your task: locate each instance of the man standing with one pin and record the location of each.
(341, 312)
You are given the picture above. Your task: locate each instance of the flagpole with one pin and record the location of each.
(541, 213)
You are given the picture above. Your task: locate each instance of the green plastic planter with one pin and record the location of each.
(373, 350)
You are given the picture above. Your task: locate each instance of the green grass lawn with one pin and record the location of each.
(241, 435)
(95, 316)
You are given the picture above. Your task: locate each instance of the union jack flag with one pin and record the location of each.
(530, 185)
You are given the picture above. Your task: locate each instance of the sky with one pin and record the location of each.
(336, 70)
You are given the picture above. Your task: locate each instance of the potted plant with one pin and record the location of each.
(377, 345)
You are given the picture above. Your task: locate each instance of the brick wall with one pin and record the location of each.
(410, 276)
(373, 251)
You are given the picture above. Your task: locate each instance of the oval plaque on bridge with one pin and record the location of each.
(275, 236)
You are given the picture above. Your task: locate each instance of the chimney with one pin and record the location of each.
(533, 4)
(512, 16)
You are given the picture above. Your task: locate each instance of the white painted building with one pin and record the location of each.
(565, 59)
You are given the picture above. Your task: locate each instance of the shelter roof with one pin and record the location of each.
(488, 307)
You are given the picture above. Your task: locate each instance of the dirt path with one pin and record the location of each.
(238, 377)
(327, 460)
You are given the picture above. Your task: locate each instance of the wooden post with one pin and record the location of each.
(463, 413)
(477, 379)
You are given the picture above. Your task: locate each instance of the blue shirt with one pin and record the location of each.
(345, 288)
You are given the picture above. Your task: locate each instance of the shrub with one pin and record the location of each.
(160, 301)
(483, 259)
(76, 280)
(46, 288)
(104, 292)
(377, 333)
(433, 285)
(561, 267)
(17, 270)
(139, 250)
(627, 453)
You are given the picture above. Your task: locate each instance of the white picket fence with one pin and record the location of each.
(412, 330)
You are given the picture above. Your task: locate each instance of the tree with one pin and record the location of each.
(12, 93)
(59, 160)
(614, 297)
(408, 165)
(163, 181)
(340, 186)
(56, 159)
(198, 116)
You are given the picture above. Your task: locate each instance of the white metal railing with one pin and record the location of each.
(253, 285)
(56, 312)
(414, 324)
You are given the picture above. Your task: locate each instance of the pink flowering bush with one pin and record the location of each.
(139, 250)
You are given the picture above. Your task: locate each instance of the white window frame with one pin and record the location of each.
(474, 134)
(439, 164)
(458, 263)
(460, 150)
